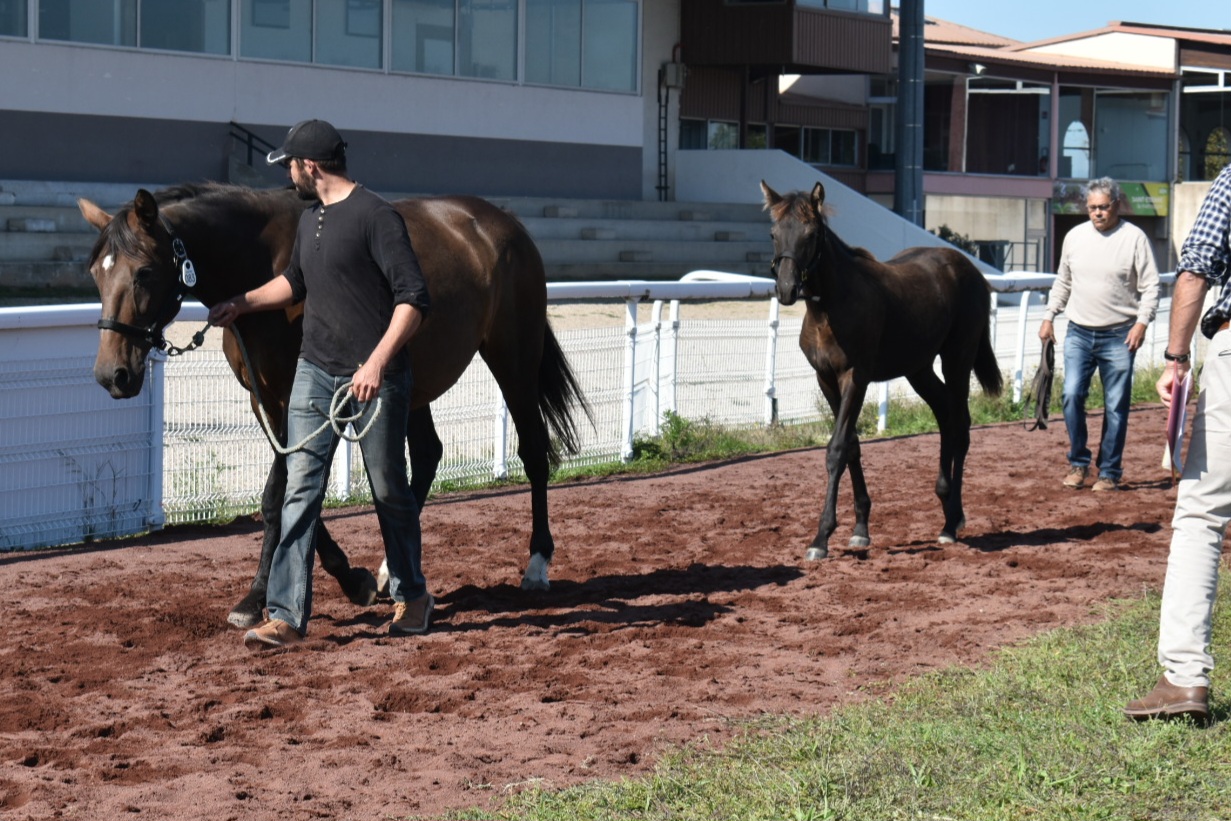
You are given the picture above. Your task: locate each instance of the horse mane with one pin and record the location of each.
(118, 235)
(798, 205)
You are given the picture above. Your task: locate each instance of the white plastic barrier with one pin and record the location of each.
(76, 465)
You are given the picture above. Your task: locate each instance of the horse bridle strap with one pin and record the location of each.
(804, 270)
(152, 334)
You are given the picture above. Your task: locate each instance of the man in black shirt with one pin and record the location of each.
(364, 296)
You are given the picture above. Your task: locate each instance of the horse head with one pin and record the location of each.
(799, 235)
(141, 282)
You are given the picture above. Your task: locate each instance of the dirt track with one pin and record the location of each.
(679, 606)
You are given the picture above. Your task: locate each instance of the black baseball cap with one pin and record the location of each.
(309, 140)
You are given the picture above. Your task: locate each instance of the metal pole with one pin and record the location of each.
(908, 185)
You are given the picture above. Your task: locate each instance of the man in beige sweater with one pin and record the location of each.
(1107, 283)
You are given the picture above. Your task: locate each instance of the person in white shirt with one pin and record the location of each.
(1107, 284)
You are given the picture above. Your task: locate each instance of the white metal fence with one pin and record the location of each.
(76, 465)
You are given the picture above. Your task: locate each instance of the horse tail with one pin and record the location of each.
(559, 392)
(987, 367)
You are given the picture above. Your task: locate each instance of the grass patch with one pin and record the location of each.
(1037, 734)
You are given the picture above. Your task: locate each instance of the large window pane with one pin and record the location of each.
(553, 42)
(348, 32)
(423, 36)
(13, 18)
(609, 45)
(110, 22)
(202, 26)
(276, 30)
(1132, 131)
(487, 39)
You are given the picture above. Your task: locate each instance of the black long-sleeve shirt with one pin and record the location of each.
(352, 262)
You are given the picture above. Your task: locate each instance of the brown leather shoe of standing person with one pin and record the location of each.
(411, 618)
(1075, 479)
(270, 635)
(1104, 484)
(1168, 701)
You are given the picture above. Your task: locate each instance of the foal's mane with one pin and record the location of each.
(797, 205)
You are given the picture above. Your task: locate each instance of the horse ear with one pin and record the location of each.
(818, 197)
(770, 195)
(94, 215)
(145, 208)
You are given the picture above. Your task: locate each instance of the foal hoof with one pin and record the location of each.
(361, 587)
(860, 541)
(815, 554)
(946, 537)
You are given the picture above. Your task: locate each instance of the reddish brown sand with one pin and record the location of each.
(679, 606)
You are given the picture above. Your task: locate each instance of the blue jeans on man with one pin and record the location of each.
(1104, 350)
(289, 597)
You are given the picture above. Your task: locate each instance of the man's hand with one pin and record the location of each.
(1173, 373)
(224, 313)
(1047, 332)
(1136, 335)
(366, 382)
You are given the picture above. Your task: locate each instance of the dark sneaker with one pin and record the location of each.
(1105, 483)
(1076, 478)
(272, 634)
(411, 618)
(1168, 701)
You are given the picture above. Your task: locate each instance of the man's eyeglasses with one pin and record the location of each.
(1106, 207)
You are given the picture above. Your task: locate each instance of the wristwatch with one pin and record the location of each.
(1175, 357)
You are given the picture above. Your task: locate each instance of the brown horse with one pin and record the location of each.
(488, 292)
(869, 321)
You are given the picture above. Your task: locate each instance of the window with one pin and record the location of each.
(692, 135)
(487, 39)
(276, 30)
(348, 33)
(828, 146)
(865, 6)
(424, 34)
(198, 26)
(1217, 152)
(553, 42)
(331, 32)
(586, 43)
(13, 21)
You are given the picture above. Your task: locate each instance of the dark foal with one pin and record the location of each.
(869, 321)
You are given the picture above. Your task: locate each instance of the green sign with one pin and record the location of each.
(1142, 199)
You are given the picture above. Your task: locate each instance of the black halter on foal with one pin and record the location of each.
(152, 335)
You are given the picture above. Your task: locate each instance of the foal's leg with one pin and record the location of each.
(843, 448)
(938, 397)
(532, 447)
(854, 465)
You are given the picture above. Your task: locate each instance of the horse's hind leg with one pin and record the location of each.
(533, 448)
(948, 481)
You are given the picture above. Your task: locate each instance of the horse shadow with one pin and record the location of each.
(1005, 539)
(595, 604)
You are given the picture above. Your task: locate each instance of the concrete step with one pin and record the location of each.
(704, 254)
(545, 228)
(44, 246)
(652, 270)
(45, 275)
(61, 217)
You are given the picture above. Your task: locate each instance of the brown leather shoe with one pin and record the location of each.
(1168, 701)
(1076, 478)
(412, 617)
(273, 633)
(1104, 484)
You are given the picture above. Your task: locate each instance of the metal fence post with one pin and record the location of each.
(771, 364)
(630, 373)
(1019, 357)
(155, 517)
(500, 439)
(656, 370)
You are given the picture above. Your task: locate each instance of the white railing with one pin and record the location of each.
(76, 465)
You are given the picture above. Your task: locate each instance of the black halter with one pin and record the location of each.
(151, 335)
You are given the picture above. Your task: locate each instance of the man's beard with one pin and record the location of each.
(305, 187)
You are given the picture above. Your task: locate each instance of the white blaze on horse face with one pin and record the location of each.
(108, 262)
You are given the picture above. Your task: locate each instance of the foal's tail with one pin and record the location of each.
(558, 393)
(987, 367)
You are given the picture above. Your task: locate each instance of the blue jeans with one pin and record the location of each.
(1084, 350)
(289, 596)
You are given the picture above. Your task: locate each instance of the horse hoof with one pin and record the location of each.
(946, 538)
(815, 554)
(382, 580)
(535, 577)
(362, 587)
(244, 618)
(860, 541)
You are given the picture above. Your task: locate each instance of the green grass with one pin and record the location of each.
(1037, 734)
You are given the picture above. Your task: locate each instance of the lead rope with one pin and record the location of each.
(332, 418)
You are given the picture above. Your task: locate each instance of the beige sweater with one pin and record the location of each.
(1105, 279)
